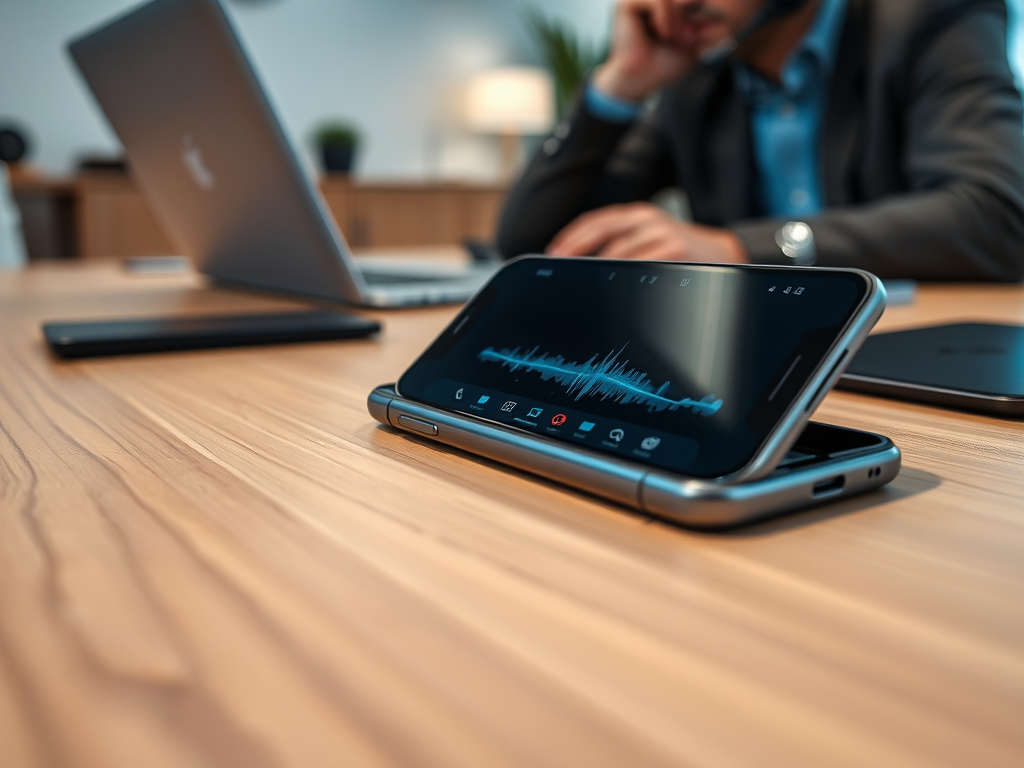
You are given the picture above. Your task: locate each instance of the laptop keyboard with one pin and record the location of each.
(396, 278)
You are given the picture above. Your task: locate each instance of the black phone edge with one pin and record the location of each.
(1005, 406)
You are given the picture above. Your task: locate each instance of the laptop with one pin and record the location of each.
(210, 155)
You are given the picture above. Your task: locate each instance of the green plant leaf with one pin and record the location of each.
(337, 133)
(568, 58)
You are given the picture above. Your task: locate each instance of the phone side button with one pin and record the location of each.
(416, 425)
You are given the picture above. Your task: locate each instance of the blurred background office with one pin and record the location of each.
(396, 68)
(397, 76)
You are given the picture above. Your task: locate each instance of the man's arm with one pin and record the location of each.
(588, 163)
(963, 218)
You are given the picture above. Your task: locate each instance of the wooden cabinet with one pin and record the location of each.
(111, 218)
(49, 216)
(116, 220)
(383, 215)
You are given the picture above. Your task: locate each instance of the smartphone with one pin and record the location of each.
(165, 334)
(648, 382)
(826, 463)
(968, 366)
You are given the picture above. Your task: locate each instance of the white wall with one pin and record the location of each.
(396, 67)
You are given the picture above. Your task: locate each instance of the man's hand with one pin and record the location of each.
(644, 231)
(652, 45)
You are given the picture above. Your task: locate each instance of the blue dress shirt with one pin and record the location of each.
(785, 117)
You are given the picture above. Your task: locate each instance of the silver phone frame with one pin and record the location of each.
(692, 502)
(831, 367)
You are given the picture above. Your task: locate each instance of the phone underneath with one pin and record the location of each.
(826, 463)
(645, 382)
(166, 334)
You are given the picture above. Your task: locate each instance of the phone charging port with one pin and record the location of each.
(828, 487)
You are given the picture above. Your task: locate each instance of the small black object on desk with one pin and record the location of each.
(967, 366)
(167, 334)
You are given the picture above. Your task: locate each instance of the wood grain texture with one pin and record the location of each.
(219, 559)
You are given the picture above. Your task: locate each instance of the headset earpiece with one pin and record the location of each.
(773, 9)
(786, 7)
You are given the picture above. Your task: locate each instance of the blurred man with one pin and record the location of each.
(880, 134)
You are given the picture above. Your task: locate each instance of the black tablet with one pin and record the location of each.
(970, 366)
(165, 334)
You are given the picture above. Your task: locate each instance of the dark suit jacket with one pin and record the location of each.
(922, 152)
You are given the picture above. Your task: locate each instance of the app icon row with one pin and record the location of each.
(616, 435)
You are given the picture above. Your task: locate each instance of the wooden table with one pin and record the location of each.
(219, 559)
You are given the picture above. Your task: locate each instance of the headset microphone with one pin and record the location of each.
(772, 10)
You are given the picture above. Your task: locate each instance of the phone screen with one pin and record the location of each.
(682, 367)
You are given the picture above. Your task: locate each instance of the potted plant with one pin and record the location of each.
(337, 142)
(568, 58)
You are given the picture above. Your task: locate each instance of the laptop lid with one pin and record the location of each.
(209, 152)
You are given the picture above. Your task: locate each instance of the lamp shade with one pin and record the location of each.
(515, 100)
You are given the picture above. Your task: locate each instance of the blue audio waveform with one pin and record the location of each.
(607, 379)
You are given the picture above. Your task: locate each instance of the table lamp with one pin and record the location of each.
(511, 102)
